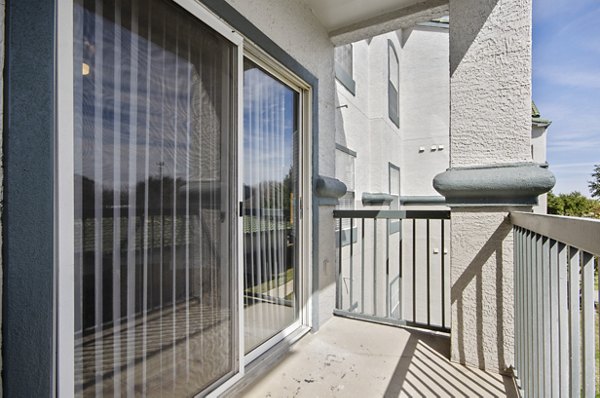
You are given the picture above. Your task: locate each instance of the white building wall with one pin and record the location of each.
(424, 108)
(362, 122)
(538, 153)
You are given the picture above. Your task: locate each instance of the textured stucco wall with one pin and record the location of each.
(293, 27)
(490, 74)
(481, 275)
(490, 69)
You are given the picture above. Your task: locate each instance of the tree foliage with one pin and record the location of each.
(594, 184)
(573, 204)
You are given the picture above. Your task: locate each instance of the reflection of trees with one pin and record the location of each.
(169, 242)
(271, 195)
(166, 190)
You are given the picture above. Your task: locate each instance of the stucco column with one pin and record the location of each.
(490, 118)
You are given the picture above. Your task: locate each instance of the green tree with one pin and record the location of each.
(573, 204)
(594, 184)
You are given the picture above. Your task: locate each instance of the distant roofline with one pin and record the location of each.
(536, 118)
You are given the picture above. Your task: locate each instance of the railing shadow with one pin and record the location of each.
(493, 248)
(425, 370)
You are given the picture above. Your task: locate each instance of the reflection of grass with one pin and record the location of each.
(279, 280)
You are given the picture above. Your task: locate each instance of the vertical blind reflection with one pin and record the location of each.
(270, 205)
(153, 279)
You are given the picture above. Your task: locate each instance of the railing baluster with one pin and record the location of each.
(400, 280)
(427, 235)
(574, 321)
(339, 277)
(540, 332)
(351, 306)
(387, 269)
(362, 265)
(374, 267)
(414, 270)
(546, 326)
(563, 320)
(518, 300)
(530, 315)
(589, 374)
(443, 283)
(554, 328)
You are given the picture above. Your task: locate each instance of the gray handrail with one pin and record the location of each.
(394, 214)
(582, 233)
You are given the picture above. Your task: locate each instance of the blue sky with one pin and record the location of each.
(566, 86)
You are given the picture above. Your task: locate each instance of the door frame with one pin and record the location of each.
(259, 57)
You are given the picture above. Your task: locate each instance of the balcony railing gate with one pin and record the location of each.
(555, 332)
(393, 268)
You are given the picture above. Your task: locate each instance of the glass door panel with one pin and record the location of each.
(270, 206)
(154, 271)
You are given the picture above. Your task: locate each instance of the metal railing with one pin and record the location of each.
(392, 267)
(555, 326)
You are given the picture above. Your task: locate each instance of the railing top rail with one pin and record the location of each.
(394, 214)
(582, 233)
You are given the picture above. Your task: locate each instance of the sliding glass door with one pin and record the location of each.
(271, 197)
(154, 178)
(172, 285)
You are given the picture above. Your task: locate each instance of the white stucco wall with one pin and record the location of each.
(292, 26)
(364, 126)
(424, 108)
(489, 80)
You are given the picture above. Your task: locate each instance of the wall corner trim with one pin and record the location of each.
(512, 184)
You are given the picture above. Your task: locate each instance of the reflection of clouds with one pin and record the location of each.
(269, 124)
(155, 106)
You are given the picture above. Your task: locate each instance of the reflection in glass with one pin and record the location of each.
(270, 205)
(153, 271)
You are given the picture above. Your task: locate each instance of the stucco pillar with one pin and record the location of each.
(490, 118)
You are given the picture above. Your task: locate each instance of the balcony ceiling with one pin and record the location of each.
(352, 20)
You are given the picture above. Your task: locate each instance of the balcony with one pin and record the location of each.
(393, 330)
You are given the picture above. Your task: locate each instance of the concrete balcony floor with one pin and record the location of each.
(349, 358)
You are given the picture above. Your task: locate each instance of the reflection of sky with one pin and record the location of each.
(269, 118)
(145, 110)
(144, 101)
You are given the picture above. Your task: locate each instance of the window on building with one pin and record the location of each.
(394, 190)
(394, 185)
(393, 84)
(344, 171)
(344, 71)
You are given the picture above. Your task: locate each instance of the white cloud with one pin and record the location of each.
(571, 76)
